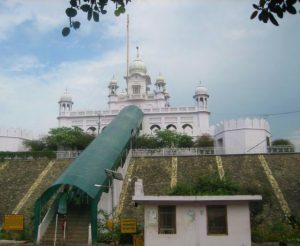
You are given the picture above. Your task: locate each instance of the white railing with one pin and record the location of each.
(43, 226)
(281, 149)
(177, 152)
(67, 154)
(146, 110)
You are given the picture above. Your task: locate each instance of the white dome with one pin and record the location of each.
(200, 90)
(66, 98)
(137, 66)
(160, 79)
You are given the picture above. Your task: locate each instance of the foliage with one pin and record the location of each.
(164, 139)
(113, 235)
(93, 10)
(147, 142)
(73, 137)
(65, 137)
(207, 185)
(267, 10)
(27, 155)
(284, 142)
(107, 234)
(36, 145)
(277, 232)
(204, 141)
(281, 142)
(25, 234)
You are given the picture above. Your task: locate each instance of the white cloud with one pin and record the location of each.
(42, 15)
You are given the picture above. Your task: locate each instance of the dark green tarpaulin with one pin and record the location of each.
(104, 152)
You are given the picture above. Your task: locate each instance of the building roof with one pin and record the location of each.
(195, 199)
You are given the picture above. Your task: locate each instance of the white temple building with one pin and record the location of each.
(235, 136)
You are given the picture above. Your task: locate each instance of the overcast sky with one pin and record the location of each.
(249, 68)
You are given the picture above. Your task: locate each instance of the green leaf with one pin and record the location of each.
(96, 16)
(73, 3)
(264, 16)
(291, 9)
(71, 12)
(291, 2)
(90, 13)
(66, 31)
(262, 2)
(255, 6)
(272, 19)
(117, 12)
(85, 7)
(254, 14)
(122, 9)
(279, 12)
(76, 24)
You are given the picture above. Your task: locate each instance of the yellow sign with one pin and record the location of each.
(128, 225)
(13, 222)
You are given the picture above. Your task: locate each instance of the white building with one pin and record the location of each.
(158, 114)
(195, 220)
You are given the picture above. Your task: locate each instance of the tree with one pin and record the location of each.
(62, 137)
(267, 10)
(93, 10)
(36, 145)
(147, 142)
(68, 138)
(164, 138)
(264, 9)
(284, 142)
(204, 141)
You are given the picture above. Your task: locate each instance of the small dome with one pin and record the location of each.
(160, 79)
(200, 90)
(66, 97)
(113, 81)
(137, 66)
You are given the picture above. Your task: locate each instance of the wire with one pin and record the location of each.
(282, 113)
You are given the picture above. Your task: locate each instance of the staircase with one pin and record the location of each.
(77, 224)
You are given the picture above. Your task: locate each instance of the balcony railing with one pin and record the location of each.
(67, 154)
(281, 149)
(177, 152)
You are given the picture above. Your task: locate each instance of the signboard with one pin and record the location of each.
(13, 222)
(128, 225)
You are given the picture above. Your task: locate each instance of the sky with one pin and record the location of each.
(250, 69)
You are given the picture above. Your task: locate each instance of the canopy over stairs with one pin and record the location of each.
(105, 152)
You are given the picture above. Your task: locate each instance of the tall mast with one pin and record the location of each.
(127, 58)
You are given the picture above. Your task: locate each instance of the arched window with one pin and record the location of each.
(91, 130)
(154, 128)
(171, 127)
(187, 129)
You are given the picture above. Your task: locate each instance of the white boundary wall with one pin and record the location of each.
(12, 139)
